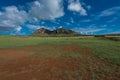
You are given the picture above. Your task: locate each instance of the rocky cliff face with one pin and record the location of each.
(42, 31)
(57, 31)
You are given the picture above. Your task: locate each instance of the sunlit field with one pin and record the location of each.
(59, 58)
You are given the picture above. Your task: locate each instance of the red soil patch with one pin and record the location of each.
(19, 66)
(14, 54)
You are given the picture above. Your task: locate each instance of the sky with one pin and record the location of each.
(23, 17)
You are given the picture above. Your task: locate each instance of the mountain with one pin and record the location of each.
(42, 31)
(114, 34)
(63, 31)
(59, 31)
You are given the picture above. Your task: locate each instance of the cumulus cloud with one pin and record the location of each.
(12, 18)
(75, 5)
(46, 10)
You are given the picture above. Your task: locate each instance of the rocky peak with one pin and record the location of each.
(57, 31)
(42, 31)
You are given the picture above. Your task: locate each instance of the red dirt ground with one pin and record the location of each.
(20, 64)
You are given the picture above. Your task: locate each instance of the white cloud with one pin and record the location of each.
(110, 12)
(72, 20)
(112, 20)
(46, 10)
(12, 18)
(90, 29)
(77, 7)
(115, 32)
(104, 26)
(0, 13)
(42, 22)
(60, 26)
(67, 23)
(33, 27)
(86, 6)
(89, 7)
(18, 29)
(86, 20)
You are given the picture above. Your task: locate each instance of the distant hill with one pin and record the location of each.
(57, 32)
(118, 34)
(64, 32)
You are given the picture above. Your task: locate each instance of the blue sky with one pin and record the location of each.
(23, 17)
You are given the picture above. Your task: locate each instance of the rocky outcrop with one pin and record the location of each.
(42, 31)
(57, 31)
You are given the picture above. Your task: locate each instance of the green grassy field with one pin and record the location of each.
(102, 48)
(65, 58)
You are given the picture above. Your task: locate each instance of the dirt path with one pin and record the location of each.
(21, 64)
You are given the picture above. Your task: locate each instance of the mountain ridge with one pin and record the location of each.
(59, 31)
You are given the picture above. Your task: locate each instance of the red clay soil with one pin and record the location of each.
(18, 64)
